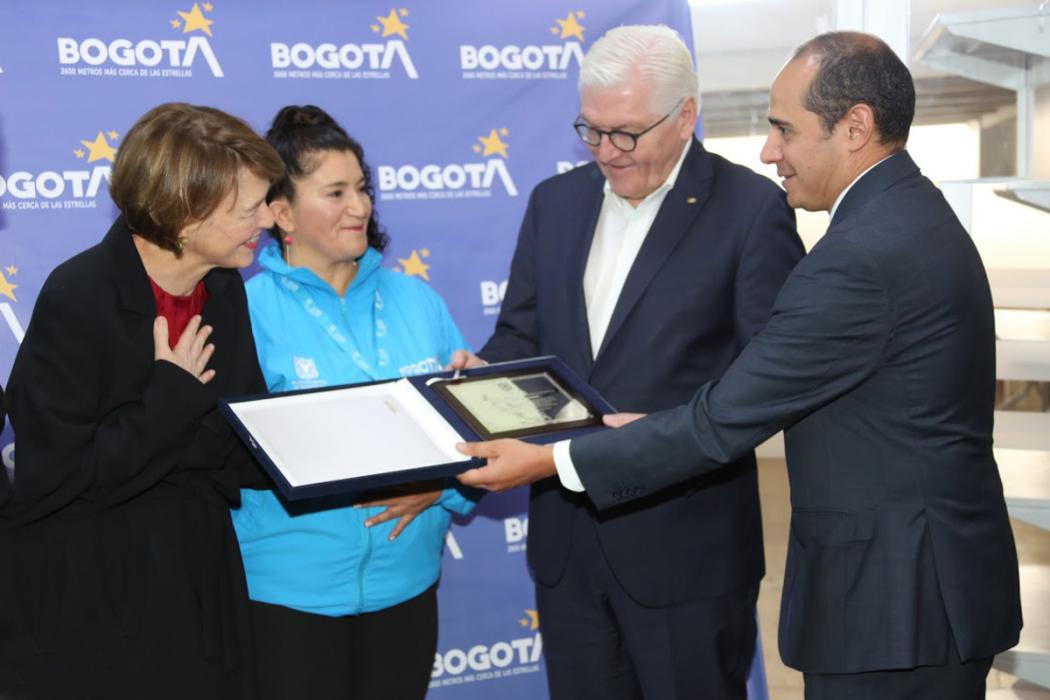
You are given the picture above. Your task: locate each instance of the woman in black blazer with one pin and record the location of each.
(4, 485)
(120, 575)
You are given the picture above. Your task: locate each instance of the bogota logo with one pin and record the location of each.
(392, 24)
(349, 61)
(454, 180)
(413, 265)
(65, 189)
(492, 293)
(144, 58)
(515, 530)
(564, 166)
(7, 291)
(485, 662)
(99, 149)
(531, 621)
(488, 145)
(530, 62)
(454, 550)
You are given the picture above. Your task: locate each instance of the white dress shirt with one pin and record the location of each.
(618, 236)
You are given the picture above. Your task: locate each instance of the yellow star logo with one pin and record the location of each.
(99, 149)
(79, 153)
(392, 24)
(531, 621)
(208, 7)
(12, 270)
(493, 144)
(112, 135)
(414, 266)
(195, 19)
(6, 288)
(569, 26)
(175, 24)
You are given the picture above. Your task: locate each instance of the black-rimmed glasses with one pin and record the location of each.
(623, 140)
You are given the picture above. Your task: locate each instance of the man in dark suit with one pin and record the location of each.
(879, 360)
(647, 271)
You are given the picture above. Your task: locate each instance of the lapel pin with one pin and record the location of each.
(691, 200)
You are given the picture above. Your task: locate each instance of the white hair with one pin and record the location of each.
(654, 52)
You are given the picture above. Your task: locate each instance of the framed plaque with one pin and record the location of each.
(353, 438)
(517, 403)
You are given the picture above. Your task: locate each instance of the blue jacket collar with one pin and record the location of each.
(367, 266)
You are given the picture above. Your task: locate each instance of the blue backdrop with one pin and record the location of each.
(462, 107)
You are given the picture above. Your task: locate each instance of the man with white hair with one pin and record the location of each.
(647, 271)
(878, 363)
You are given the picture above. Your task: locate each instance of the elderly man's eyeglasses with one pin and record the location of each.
(623, 140)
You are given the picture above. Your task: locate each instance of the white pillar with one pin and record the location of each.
(890, 20)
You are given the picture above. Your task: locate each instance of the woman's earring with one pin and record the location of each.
(287, 240)
(181, 242)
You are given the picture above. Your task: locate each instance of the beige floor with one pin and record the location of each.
(786, 684)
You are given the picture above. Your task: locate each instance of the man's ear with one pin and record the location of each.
(687, 118)
(859, 126)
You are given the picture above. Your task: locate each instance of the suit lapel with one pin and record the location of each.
(218, 313)
(677, 213)
(134, 292)
(130, 276)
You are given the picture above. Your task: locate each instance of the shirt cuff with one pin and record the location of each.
(566, 470)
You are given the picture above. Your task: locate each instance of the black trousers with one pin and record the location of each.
(383, 655)
(954, 681)
(600, 644)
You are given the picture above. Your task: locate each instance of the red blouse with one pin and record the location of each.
(179, 310)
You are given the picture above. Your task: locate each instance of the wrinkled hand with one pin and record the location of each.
(406, 507)
(618, 420)
(191, 353)
(462, 359)
(511, 463)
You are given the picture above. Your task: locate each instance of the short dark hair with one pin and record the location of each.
(176, 165)
(299, 135)
(857, 68)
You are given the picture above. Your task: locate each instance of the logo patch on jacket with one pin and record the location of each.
(305, 367)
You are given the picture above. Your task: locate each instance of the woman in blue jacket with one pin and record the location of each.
(343, 598)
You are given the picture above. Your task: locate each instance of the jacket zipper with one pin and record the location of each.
(363, 566)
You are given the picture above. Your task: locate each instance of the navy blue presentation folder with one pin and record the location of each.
(308, 414)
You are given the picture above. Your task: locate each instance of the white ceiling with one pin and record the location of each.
(742, 44)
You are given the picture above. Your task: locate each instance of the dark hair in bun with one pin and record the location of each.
(298, 134)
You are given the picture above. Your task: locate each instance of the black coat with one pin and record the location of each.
(701, 285)
(121, 574)
(879, 361)
(5, 486)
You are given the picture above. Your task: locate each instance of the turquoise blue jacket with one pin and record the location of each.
(327, 562)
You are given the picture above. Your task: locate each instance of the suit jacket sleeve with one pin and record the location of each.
(69, 449)
(830, 329)
(517, 328)
(5, 484)
(770, 251)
